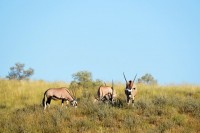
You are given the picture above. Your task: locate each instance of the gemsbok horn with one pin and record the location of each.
(130, 90)
(62, 94)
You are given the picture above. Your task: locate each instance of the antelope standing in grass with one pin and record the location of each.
(130, 90)
(62, 94)
(106, 93)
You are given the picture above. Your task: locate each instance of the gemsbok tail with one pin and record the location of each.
(44, 101)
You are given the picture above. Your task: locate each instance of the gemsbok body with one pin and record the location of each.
(106, 93)
(130, 90)
(62, 94)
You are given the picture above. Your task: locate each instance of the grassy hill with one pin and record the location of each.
(174, 108)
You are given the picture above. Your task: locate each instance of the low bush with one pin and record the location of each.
(157, 109)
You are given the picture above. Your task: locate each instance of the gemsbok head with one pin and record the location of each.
(107, 93)
(130, 90)
(62, 94)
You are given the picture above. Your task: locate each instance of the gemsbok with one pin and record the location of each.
(130, 90)
(106, 93)
(62, 94)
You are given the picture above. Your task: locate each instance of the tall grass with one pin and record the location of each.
(157, 109)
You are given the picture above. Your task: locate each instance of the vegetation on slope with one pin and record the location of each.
(157, 109)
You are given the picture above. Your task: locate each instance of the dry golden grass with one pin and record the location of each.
(174, 108)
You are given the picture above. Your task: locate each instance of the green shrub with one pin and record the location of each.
(191, 106)
(144, 104)
(157, 109)
(166, 125)
(180, 119)
(160, 100)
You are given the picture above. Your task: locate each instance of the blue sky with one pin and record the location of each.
(105, 37)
